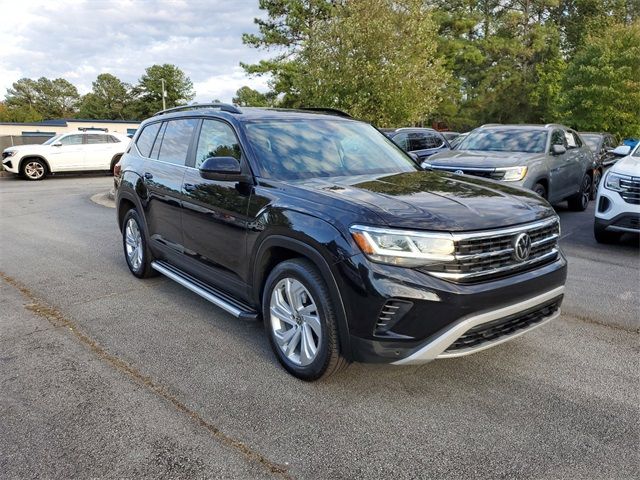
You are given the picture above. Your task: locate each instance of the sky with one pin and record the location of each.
(78, 40)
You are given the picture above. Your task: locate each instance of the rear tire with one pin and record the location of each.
(300, 321)
(580, 201)
(135, 245)
(539, 189)
(113, 164)
(597, 177)
(605, 236)
(33, 169)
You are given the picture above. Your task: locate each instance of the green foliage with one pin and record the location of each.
(377, 60)
(248, 97)
(30, 100)
(148, 92)
(110, 99)
(602, 84)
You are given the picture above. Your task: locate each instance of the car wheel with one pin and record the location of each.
(34, 169)
(539, 189)
(605, 236)
(136, 248)
(580, 201)
(300, 320)
(597, 177)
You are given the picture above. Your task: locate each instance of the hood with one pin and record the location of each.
(30, 147)
(627, 166)
(434, 200)
(470, 158)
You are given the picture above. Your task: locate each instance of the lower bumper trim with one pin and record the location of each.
(436, 348)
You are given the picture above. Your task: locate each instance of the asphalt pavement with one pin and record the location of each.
(103, 375)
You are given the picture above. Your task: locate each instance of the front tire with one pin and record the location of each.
(135, 245)
(580, 201)
(300, 321)
(539, 189)
(34, 169)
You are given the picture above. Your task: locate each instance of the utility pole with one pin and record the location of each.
(164, 95)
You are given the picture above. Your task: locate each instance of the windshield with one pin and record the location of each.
(294, 149)
(505, 140)
(52, 139)
(592, 141)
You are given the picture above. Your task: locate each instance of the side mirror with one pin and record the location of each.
(221, 168)
(621, 151)
(57, 144)
(558, 149)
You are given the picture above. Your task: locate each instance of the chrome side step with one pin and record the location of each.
(218, 298)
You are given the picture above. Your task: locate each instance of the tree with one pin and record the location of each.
(377, 60)
(42, 98)
(178, 86)
(286, 29)
(110, 99)
(602, 82)
(248, 97)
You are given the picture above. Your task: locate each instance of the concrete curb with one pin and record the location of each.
(104, 199)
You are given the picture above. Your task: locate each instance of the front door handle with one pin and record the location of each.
(189, 187)
(148, 175)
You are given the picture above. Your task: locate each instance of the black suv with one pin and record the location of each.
(323, 228)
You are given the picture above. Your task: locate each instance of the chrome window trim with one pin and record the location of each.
(436, 347)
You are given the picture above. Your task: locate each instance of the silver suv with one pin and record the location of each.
(552, 160)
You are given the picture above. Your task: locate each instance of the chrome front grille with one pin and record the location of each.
(631, 192)
(485, 255)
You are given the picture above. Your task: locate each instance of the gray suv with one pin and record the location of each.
(552, 160)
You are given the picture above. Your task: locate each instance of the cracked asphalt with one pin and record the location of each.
(103, 375)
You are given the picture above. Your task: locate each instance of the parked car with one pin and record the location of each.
(618, 201)
(602, 146)
(457, 140)
(549, 159)
(450, 135)
(421, 142)
(331, 234)
(67, 152)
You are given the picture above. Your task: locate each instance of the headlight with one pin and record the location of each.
(612, 181)
(401, 247)
(9, 153)
(512, 174)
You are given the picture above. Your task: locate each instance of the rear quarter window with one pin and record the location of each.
(146, 138)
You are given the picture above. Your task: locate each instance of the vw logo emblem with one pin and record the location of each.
(459, 172)
(522, 247)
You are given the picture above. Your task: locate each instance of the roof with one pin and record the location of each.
(522, 126)
(244, 114)
(63, 122)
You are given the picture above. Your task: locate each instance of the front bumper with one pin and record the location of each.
(614, 214)
(439, 347)
(10, 164)
(441, 312)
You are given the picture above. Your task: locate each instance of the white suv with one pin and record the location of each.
(618, 201)
(67, 152)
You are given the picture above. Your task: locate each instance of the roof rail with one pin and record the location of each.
(86, 129)
(225, 107)
(331, 111)
(490, 125)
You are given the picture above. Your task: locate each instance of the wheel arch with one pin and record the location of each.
(278, 248)
(37, 157)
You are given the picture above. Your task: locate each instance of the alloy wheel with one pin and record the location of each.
(133, 244)
(295, 321)
(34, 170)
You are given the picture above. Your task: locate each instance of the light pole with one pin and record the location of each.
(164, 95)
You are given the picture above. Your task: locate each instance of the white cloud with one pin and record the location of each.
(78, 40)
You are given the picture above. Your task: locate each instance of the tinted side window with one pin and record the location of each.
(146, 138)
(577, 142)
(156, 146)
(402, 140)
(421, 141)
(93, 138)
(113, 139)
(216, 140)
(176, 139)
(557, 138)
(71, 140)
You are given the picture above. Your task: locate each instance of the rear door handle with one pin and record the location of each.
(189, 187)
(148, 175)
